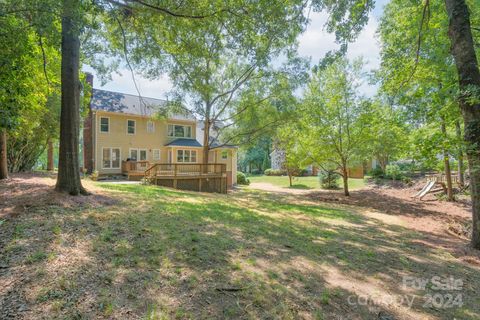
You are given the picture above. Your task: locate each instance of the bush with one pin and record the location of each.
(328, 179)
(242, 178)
(393, 172)
(275, 172)
(377, 173)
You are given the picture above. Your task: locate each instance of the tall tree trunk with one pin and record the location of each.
(446, 161)
(206, 141)
(68, 179)
(463, 51)
(50, 165)
(458, 129)
(3, 154)
(345, 179)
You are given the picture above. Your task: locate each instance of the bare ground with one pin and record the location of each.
(74, 257)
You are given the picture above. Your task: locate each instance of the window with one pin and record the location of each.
(186, 156)
(104, 124)
(138, 154)
(179, 131)
(131, 126)
(143, 155)
(156, 155)
(150, 126)
(111, 158)
(224, 155)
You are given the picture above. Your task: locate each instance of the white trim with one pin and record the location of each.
(159, 155)
(182, 125)
(153, 126)
(134, 127)
(138, 153)
(111, 160)
(100, 124)
(183, 157)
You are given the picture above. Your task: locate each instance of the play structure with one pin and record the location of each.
(437, 183)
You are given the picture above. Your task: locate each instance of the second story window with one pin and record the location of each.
(104, 124)
(131, 126)
(179, 131)
(150, 126)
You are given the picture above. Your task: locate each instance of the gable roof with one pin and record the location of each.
(184, 142)
(130, 104)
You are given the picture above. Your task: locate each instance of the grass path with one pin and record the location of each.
(306, 183)
(153, 253)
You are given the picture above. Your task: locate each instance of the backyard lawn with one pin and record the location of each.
(302, 182)
(144, 252)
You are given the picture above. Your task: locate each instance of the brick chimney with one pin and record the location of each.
(88, 155)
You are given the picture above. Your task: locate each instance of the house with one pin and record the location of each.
(278, 157)
(124, 134)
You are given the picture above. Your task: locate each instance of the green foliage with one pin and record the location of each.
(242, 178)
(393, 172)
(328, 179)
(377, 173)
(275, 172)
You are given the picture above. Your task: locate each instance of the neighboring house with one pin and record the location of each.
(122, 128)
(278, 157)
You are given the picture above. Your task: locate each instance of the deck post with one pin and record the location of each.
(175, 176)
(200, 184)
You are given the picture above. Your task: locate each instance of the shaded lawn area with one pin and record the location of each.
(302, 182)
(163, 254)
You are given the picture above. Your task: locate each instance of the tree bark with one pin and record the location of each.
(463, 51)
(461, 180)
(345, 180)
(3, 154)
(446, 161)
(68, 179)
(50, 165)
(206, 141)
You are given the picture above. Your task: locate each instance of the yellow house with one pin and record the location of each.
(124, 131)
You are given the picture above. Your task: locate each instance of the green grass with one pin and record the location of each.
(302, 182)
(156, 253)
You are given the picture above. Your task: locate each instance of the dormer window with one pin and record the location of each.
(179, 131)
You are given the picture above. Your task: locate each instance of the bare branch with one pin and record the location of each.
(44, 56)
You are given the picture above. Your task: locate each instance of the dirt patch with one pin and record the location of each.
(25, 190)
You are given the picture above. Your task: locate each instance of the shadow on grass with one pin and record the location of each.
(191, 255)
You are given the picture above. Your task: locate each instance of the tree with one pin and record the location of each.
(388, 133)
(426, 87)
(68, 179)
(21, 77)
(332, 129)
(463, 51)
(214, 61)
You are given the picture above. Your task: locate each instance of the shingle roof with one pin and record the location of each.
(126, 103)
(183, 142)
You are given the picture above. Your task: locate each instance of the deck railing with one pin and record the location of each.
(134, 166)
(185, 169)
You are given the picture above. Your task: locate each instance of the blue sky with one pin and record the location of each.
(313, 43)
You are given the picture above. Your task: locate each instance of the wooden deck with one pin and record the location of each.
(186, 176)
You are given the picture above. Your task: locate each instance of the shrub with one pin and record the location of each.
(275, 172)
(242, 178)
(377, 173)
(328, 179)
(393, 172)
